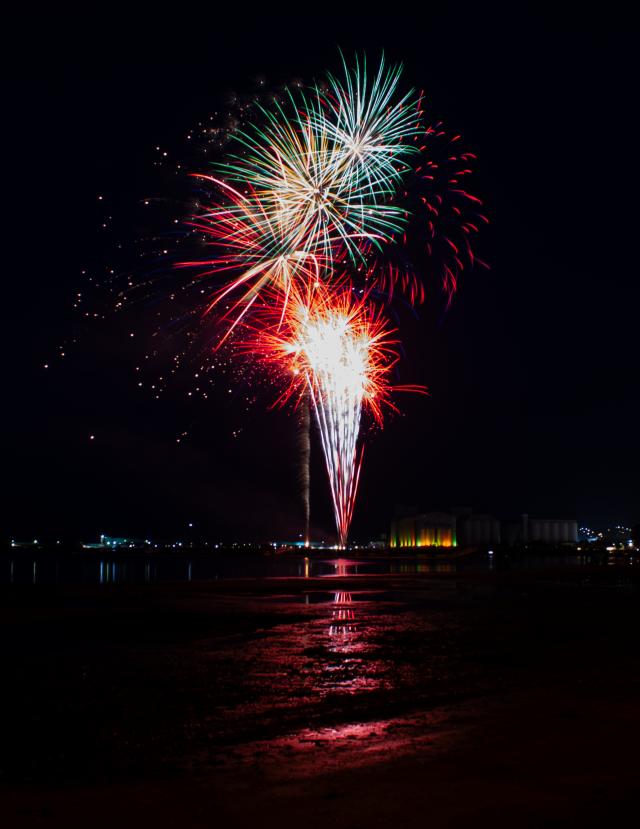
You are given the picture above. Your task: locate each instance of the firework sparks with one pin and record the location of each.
(337, 348)
(323, 169)
(310, 190)
(311, 214)
(370, 127)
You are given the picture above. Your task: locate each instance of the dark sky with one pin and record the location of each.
(533, 371)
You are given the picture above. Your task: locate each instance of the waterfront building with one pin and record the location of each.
(461, 527)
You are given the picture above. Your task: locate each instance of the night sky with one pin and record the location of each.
(533, 371)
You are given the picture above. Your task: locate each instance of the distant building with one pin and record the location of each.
(429, 529)
(552, 530)
(478, 529)
(527, 530)
(116, 543)
(463, 528)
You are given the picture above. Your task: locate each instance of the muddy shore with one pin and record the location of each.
(497, 698)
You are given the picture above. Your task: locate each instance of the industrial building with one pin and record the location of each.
(527, 530)
(429, 529)
(461, 527)
(475, 528)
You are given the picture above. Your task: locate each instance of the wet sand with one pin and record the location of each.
(497, 698)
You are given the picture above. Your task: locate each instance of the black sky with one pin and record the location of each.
(533, 371)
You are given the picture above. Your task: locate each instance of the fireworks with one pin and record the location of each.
(309, 188)
(337, 348)
(321, 170)
(307, 222)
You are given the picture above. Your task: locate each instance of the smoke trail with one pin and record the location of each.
(304, 455)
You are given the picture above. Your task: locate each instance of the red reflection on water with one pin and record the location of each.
(346, 669)
(341, 567)
(343, 615)
(308, 752)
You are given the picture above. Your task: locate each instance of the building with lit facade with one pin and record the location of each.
(429, 529)
(462, 527)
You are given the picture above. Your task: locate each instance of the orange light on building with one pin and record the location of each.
(414, 532)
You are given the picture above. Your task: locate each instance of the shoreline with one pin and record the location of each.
(438, 698)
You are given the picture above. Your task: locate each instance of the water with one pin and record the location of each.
(330, 694)
(46, 568)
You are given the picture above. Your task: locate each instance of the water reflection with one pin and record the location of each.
(343, 616)
(85, 568)
(424, 567)
(111, 572)
(351, 664)
(342, 567)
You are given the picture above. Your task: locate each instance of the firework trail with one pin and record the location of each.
(304, 457)
(337, 351)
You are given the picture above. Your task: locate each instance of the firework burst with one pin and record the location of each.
(336, 347)
(310, 190)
